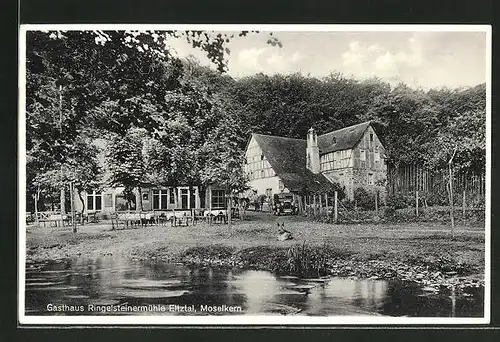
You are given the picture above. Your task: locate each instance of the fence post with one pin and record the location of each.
(450, 186)
(326, 202)
(463, 204)
(314, 204)
(376, 202)
(416, 203)
(335, 207)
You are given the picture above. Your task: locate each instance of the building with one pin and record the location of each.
(181, 198)
(352, 157)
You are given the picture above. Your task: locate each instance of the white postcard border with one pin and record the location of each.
(243, 320)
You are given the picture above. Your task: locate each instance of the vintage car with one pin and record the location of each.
(284, 204)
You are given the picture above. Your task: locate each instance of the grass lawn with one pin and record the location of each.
(412, 242)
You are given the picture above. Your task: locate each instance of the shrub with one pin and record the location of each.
(398, 201)
(306, 262)
(437, 198)
(364, 199)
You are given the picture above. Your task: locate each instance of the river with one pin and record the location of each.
(66, 286)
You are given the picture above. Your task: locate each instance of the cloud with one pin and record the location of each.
(250, 57)
(275, 60)
(297, 56)
(380, 60)
(354, 57)
(266, 60)
(386, 62)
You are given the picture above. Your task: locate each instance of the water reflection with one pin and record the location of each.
(116, 281)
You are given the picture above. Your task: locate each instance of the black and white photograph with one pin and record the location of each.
(254, 174)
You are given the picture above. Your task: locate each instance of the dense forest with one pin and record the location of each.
(167, 121)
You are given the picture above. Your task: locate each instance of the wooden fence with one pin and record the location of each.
(407, 179)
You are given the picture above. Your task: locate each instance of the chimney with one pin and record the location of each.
(312, 151)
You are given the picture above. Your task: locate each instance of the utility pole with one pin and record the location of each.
(63, 197)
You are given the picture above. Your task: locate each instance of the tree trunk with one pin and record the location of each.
(63, 205)
(240, 207)
(174, 190)
(37, 194)
(72, 199)
(83, 206)
(139, 189)
(229, 209)
(209, 217)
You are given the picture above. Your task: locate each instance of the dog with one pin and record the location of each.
(283, 234)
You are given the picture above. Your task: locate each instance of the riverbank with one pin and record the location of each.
(423, 253)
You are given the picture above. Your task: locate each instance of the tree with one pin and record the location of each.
(126, 163)
(408, 123)
(81, 166)
(465, 133)
(112, 81)
(224, 159)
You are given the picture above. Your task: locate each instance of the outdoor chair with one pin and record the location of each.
(147, 218)
(184, 220)
(220, 218)
(162, 219)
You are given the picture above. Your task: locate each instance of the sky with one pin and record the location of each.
(421, 59)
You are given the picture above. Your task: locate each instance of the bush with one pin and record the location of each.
(364, 199)
(306, 262)
(401, 201)
(437, 198)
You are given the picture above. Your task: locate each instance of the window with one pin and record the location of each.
(281, 186)
(172, 196)
(327, 162)
(371, 137)
(261, 157)
(334, 140)
(160, 199)
(376, 157)
(184, 198)
(94, 201)
(362, 155)
(218, 199)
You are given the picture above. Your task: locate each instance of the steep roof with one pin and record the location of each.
(287, 157)
(345, 138)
